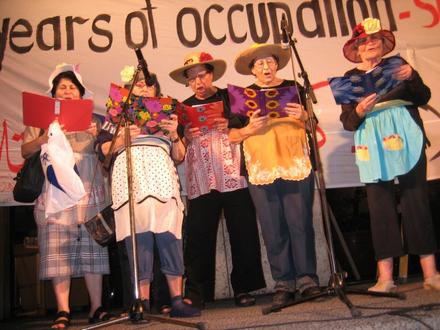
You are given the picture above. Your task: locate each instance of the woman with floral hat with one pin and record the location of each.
(390, 144)
(158, 206)
(215, 185)
(280, 177)
(66, 248)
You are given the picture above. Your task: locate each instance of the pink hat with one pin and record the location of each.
(367, 27)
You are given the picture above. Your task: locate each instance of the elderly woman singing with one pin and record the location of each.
(390, 144)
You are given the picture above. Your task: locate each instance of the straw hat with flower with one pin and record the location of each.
(198, 58)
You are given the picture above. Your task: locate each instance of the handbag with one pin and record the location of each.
(29, 180)
(102, 227)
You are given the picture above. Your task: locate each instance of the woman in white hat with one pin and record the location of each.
(390, 143)
(280, 177)
(215, 185)
(66, 248)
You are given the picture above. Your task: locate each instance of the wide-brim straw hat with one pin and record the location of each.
(64, 67)
(199, 58)
(367, 27)
(245, 60)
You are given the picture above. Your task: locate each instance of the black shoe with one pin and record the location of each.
(100, 315)
(310, 291)
(195, 302)
(282, 297)
(181, 309)
(244, 300)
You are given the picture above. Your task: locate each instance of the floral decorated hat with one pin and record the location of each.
(244, 60)
(64, 67)
(127, 75)
(367, 27)
(194, 59)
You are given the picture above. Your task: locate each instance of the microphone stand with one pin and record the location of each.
(136, 312)
(336, 286)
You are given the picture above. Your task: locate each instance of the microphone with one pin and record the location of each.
(285, 35)
(149, 81)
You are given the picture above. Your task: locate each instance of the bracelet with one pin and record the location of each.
(176, 139)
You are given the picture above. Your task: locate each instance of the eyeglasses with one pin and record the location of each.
(200, 75)
(142, 84)
(270, 62)
(371, 37)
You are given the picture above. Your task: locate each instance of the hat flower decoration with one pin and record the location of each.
(127, 74)
(367, 27)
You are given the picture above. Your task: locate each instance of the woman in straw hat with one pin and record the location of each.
(280, 177)
(214, 184)
(66, 248)
(390, 143)
(158, 207)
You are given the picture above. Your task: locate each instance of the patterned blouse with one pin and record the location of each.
(211, 162)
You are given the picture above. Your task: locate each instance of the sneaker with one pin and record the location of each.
(311, 291)
(432, 283)
(383, 286)
(282, 297)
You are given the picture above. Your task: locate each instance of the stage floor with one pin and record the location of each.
(420, 310)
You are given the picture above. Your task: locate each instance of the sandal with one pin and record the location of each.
(100, 315)
(62, 318)
(165, 309)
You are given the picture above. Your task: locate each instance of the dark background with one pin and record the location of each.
(28, 294)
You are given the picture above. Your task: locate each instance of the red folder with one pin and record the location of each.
(202, 116)
(40, 111)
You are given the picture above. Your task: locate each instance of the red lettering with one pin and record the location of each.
(323, 138)
(435, 12)
(5, 141)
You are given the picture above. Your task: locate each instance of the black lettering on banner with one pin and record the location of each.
(276, 26)
(56, 27)
(330, 18)
(234, 37)
(351, 12)
(390, 14)
(314, 6)
(128, 31)
(206, 26)
(149, 9)
(70, 34)
(341, 17)
(362, 6)
(253, 24)
(26, 33)
(3, 38)
(101, 32)
(197, 25)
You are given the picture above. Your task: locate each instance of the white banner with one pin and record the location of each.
(100, 36)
